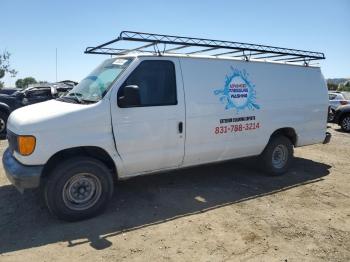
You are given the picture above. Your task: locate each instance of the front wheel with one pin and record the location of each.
(331, 114)
(277, 156)
(345, 123)
(78, 188)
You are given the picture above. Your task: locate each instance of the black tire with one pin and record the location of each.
(345, 123)
(277, 144)
(3, 123)
(70, 181)
(331, 115)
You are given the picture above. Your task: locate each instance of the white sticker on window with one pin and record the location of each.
(120, 62)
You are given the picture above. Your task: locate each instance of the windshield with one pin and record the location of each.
(95, 85)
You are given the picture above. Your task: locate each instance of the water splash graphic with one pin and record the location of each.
(244, 98)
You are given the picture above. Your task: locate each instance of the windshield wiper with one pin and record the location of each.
(86, 101)
(69, 99)
(76, 96)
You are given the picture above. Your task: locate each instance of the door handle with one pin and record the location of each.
(180, 127)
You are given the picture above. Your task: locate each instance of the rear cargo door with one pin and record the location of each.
(151, 136)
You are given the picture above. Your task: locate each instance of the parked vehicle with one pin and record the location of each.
(144, 112)
(8, 90)
(28, 96)
(337, 99)
(68, 83)
(342, 117)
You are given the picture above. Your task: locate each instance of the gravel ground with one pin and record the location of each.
(221, 212)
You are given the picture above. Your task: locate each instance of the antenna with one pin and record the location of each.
(56, 64)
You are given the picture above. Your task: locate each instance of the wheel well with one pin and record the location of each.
(90, 151)
(287, 132)
(4, 110)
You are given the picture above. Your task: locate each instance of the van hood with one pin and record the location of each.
(47, 115)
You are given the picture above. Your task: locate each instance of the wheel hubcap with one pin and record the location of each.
(2, 125)
(81, 191)
(279, 156)
(346, 123)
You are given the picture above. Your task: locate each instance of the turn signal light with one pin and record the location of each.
(26, 145)
(344, 102)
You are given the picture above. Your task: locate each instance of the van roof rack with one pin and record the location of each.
(201, 46)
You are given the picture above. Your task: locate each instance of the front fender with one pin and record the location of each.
(5, 107)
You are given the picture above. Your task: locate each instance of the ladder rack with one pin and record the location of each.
(161, 44)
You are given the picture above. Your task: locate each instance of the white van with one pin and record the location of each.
(143, 112)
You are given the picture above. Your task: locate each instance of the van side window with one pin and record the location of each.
(156, 83)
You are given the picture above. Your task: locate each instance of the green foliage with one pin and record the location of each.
(332, 86)
(5, 66)
(23, 83)
(344, 86)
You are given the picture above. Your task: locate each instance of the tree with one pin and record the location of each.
(332, 86)
(19, 83)
(5, 66)
(344, 86)
(25, 82)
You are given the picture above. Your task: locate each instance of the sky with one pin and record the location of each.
(31, 30)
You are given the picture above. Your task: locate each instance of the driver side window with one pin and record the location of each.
(156, 83)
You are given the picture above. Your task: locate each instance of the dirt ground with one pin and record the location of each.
(221, 212)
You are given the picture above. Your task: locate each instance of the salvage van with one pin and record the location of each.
(153, 108)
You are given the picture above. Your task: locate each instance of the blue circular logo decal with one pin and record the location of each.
(238, 92)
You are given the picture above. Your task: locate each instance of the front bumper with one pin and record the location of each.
(21, 176)
(327, 139)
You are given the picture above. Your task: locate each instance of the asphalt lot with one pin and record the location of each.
(221, 212)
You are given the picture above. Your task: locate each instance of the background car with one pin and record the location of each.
(342, 117)
(31, 95)
(9, 90)
(337, 99)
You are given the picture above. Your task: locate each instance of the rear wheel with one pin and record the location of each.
(78, 188)
(345, 123)
(277, 156)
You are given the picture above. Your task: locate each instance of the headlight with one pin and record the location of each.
(26, 145)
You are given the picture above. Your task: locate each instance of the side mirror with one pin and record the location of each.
(131, 96)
